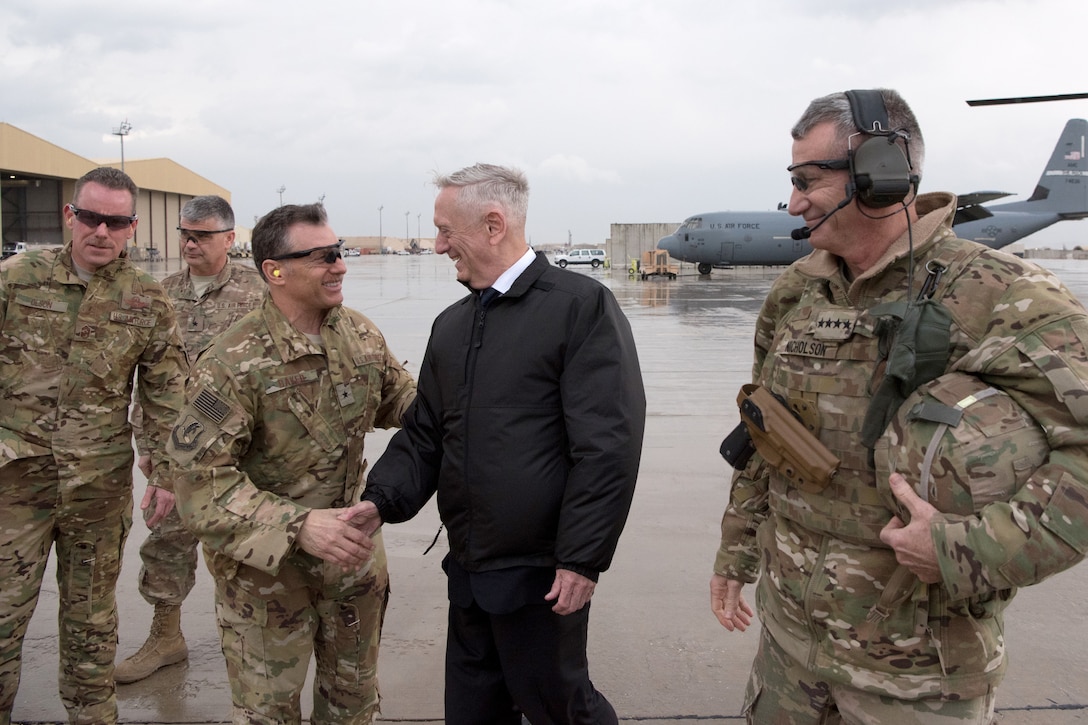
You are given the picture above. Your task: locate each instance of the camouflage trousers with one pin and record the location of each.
(89, 534)
(169, 561)
(270, 625)
(781, 691)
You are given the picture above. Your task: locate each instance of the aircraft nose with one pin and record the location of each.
(669, 244)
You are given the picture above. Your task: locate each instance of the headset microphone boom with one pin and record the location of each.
(806, 232)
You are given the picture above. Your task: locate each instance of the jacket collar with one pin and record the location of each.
(288, 341)
(221, 279)
(526, 279)
(530, 276)
(936, 210)
(64, 270)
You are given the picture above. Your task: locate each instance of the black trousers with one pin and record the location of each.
(531, 661)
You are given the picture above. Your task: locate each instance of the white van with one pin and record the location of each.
(594, 257)
(13, 248)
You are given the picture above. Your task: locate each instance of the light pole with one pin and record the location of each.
(121, 132)
(407, 234)
(419, 237)
(381, 239)
(280, 192)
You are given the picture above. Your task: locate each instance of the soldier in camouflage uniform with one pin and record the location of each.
(209, 295)
(844, 636)
(271, 450)
(75, 324)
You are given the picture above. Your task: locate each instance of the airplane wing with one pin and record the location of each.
(979, 197)
(969, 206)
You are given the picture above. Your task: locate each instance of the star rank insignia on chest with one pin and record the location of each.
(344, 395)
(834, 324)
(196, 322)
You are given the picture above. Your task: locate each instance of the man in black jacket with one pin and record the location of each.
(528, 424)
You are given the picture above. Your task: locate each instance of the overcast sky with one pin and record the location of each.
(618, 110)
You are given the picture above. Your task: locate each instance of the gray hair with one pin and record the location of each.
(484, 184)
(835, 109)
(210, 206)
(270, 235)
(110, 178)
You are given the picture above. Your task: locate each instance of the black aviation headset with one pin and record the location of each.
(880, 169)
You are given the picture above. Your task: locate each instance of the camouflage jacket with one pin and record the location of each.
(274, 427)
(68, 351)
(237, 289)
(1017, 328)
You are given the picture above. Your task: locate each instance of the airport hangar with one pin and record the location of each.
(37, 179)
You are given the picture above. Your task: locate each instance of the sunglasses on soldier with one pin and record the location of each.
(331, 254)
(93, 219)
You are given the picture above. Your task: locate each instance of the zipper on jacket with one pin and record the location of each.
(470, 387)
(478, 332)
(810, 586)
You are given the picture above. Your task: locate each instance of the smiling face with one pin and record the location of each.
(823, 190)
(306, 288)
(857, 234)
(463, 236)
(97, 246)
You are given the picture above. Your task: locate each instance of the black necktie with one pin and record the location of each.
(488, 296)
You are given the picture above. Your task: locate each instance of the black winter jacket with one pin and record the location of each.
(528, 423)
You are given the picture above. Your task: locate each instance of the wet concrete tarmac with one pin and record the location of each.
(655, 649)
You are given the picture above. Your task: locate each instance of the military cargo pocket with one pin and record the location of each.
(1063, 520)
(319, 429)
(1066, 513)
(242, 621)
(970, 648)
(366, 395)
(128, 335)
(30, 340)
(349, 644)
(81, 575)
(751, 695)
(92, 556)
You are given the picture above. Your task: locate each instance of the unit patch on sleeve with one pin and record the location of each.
(187, 433)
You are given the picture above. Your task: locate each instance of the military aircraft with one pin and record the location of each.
(735, 238)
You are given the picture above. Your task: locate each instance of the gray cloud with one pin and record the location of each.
(619, 110)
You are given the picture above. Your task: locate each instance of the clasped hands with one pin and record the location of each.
(341, 536)
(349, 544)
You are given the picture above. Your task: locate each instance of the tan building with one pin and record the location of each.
(37, 179)
(629, 241)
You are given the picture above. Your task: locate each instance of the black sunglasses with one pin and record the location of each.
(199, 236)
(92, 218)
(801, 184)
(332, 253)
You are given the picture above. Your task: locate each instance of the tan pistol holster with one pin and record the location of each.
(784, 442)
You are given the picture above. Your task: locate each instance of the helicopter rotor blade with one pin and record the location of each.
(1027, 99)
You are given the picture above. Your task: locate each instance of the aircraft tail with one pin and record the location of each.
(1063, 187)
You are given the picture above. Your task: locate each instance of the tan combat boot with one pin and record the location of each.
(164, 646)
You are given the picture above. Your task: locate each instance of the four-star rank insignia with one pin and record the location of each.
(834, 324)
